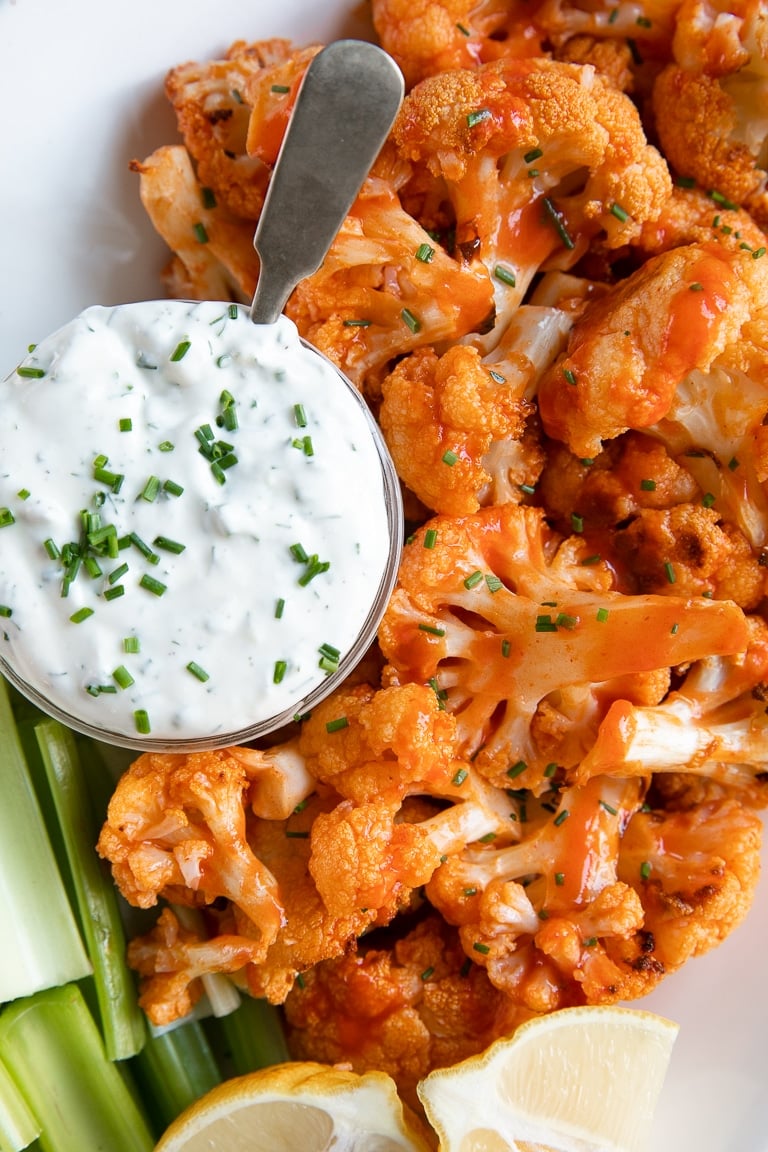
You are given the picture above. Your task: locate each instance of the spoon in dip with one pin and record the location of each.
(201, 524)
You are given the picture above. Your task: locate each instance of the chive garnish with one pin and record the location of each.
(169, 545)
(493, 583)
(556, 220)
(279, 89)
(517, 769)
(460, 777)
(279, 609)
(670, 571)
(432, 630)
(151, 488)
(5, 611)
(619, 212)
(279, 671)
(6, 518)
(412, 321)
(482, 948)
(505, 275)
(30, 373)
(570, 375)
(52, 548)
(602, 615)
(561, 817)
(131, 644)
(200, 232)
(298, 553)
(80, 615)
(198, 672)
(337, 724)
(300, 415)
(122, 677)
(577, 522)
(208, 197)
(170, 486)
(430, 537)
(424, 253)
(125, 424)
(506, 648)
(648, 485)
(449, 458)
(478, 116)
(141, 720)
(115, 592)
(473, 580)
(156, 587)
(708, 499)
(144, 548)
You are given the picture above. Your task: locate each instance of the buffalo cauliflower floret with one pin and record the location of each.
(537, 158)
(385, 288)
(711, 103)
(506, 618)
(688, 551)
(431, 36)
(404, 1008)
(632, 472)
(631, 348)
(714, 725)
(213, 116)
(695, 872)
(544, 915)
(696, 216)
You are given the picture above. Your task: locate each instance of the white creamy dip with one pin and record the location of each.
(194, 524)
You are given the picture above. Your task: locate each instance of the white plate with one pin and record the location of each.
(81, 95)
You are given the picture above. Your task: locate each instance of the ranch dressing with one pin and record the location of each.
(194, 523)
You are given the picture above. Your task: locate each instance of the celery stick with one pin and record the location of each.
(173, 1069)
(252, 1035)
(122, 1022)
(41, 945)
(18, 1127)
(52, 1048)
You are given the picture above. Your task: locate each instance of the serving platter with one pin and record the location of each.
(81, 96)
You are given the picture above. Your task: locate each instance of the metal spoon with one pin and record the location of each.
(343, 113)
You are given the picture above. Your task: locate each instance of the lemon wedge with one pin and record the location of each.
(577, 1080)
(298, 1106)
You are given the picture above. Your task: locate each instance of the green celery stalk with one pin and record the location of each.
(173, 1069)
(52, 1048)
(18, 1127)
(252, 1036)
(122, 1022)
(41, 945)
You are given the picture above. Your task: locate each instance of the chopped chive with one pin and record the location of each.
(482, 948)
(670, 571)
(92, 567)
(357, 323)
(279, 609)
(556, 220)
(296, 835)
(464, 31)
(563, 620)
(488, 838)
(300, 415)
(115, 592)
(156, 587)
(6, 518)
(169, 545)
(125, 424)
(497, 376)
(430, 537)
(279, 671)
(5, 611)
(478, 116)
(527, 489)
(645, 869)
(517, 769)
(602, 615)
(337, 724)
(144, 548)
(675, 629)
(30, 373)
(534, 154)
(609, 808)
(298, 553)
(473, 580)
(151, 488)
(506, 648)
(141, 720)
(460, 777)
(23, 493)
(550, 770)
(722, 200)
(430, 628)
(545, 623)
(570, 375)
(52, 548)
(493, 583)
(315, 568)
(619, 212)
(131, 644)
(708, 499)
(412, 321)
(577, 522)
(170, 486)
(449, 458)
(505, 275)
(280, 89)
(561, 817)
(696, 286)
(560, 878)
(208, 197)
(122, 677)
(648, 485)
(198, 672)
(200, 232)
(733, 463)
(80, 615)
(427, 973)
(330, 651)
(588, 561)
(424, 253)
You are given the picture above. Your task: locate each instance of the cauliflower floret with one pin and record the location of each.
(711, 103)
(213, 255)
(714, 725)
(537, 158)
(213, 115)
(502, 614)
(695, 872)
(405, 1008)
(430, 36)
(688, 551)
(631, 349)
(385, 288)
(633, 472)
(543, 915)
(693, 216)
(176, 828)
(648, 26)
(441, 415)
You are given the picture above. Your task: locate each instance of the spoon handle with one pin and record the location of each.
(344, 110)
